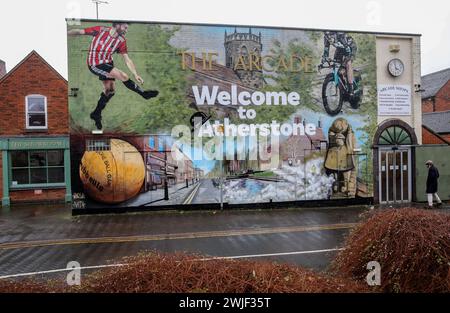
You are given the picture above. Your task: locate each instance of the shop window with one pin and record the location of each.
(151, 142)
(160, 144)
(98, 145)
(37, 168)
(36, 112)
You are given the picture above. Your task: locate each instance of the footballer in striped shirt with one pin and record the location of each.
(105, 42)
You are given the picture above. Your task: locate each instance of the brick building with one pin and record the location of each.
(34, 134)
(297, 147)
(436, 108)
(436, 94)
(438, 123)
(429, 137)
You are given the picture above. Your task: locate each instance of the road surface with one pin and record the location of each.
(43, 239)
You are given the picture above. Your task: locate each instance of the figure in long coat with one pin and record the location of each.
(432, 184)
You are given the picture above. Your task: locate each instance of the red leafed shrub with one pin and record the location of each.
(26, 286)
(411, 245)
(169, 273)
(177, 273)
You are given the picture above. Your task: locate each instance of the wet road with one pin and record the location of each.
(43, 239)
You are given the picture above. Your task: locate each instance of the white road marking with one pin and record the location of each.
(269, 254)
(61, 270)
(204, 259)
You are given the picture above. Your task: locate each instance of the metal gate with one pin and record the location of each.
(395, 181)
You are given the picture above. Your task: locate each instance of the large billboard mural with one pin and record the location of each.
(172, 114)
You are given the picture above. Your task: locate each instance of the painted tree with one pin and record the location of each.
(287, 81)
(366, 60)
(162, 66)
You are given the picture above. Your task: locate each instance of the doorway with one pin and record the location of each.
(394, 162)
(395, 181)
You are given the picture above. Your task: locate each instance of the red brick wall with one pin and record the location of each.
(30, 196)
(441, 101)
(443, 98)
(33, 76)
(428, 138)
(427, 106)
(446, 137)
(1, 176)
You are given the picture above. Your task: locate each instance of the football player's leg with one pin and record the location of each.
(109, 87)
(118, 74)
(130, 84)
(106, 95)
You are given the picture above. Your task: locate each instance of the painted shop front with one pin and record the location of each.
(35, 169)
(239, 115)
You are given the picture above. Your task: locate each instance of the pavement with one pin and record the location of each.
(44, 239)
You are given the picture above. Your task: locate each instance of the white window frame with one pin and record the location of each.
(45, 111)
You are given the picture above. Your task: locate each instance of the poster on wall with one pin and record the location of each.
(394, 100)
(180, 114)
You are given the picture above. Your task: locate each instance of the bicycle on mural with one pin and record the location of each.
(336, 87)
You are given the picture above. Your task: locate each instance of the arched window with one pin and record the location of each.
(36, 111)
(229, 61)
(395, 136)
(244, 51)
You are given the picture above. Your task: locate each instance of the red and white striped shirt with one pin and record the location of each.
(104, 45)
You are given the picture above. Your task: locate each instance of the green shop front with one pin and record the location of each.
(35, 169)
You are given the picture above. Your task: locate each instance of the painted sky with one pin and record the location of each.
(40, 25)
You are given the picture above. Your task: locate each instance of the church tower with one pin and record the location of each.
(242, 46)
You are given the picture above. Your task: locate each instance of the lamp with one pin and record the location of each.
(394, 48)
(417, 88)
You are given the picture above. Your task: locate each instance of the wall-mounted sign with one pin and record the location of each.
(41, 143)
(394, 100)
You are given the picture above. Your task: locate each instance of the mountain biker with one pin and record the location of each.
(345, 53)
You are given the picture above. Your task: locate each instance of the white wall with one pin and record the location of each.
(410, 55)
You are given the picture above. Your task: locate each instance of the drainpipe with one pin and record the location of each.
(5, 169)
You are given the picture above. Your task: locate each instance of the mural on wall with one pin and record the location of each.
(170, 114)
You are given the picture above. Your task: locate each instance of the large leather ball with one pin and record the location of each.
(113, 176)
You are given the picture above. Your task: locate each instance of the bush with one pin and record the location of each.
(177, 273)
(168, 273)
(411, 245)
(26, 286)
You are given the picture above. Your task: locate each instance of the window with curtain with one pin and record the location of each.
(36, 112)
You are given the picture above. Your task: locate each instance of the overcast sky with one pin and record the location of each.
(40, 24)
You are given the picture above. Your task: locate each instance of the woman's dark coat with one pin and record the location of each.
(432, 180)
